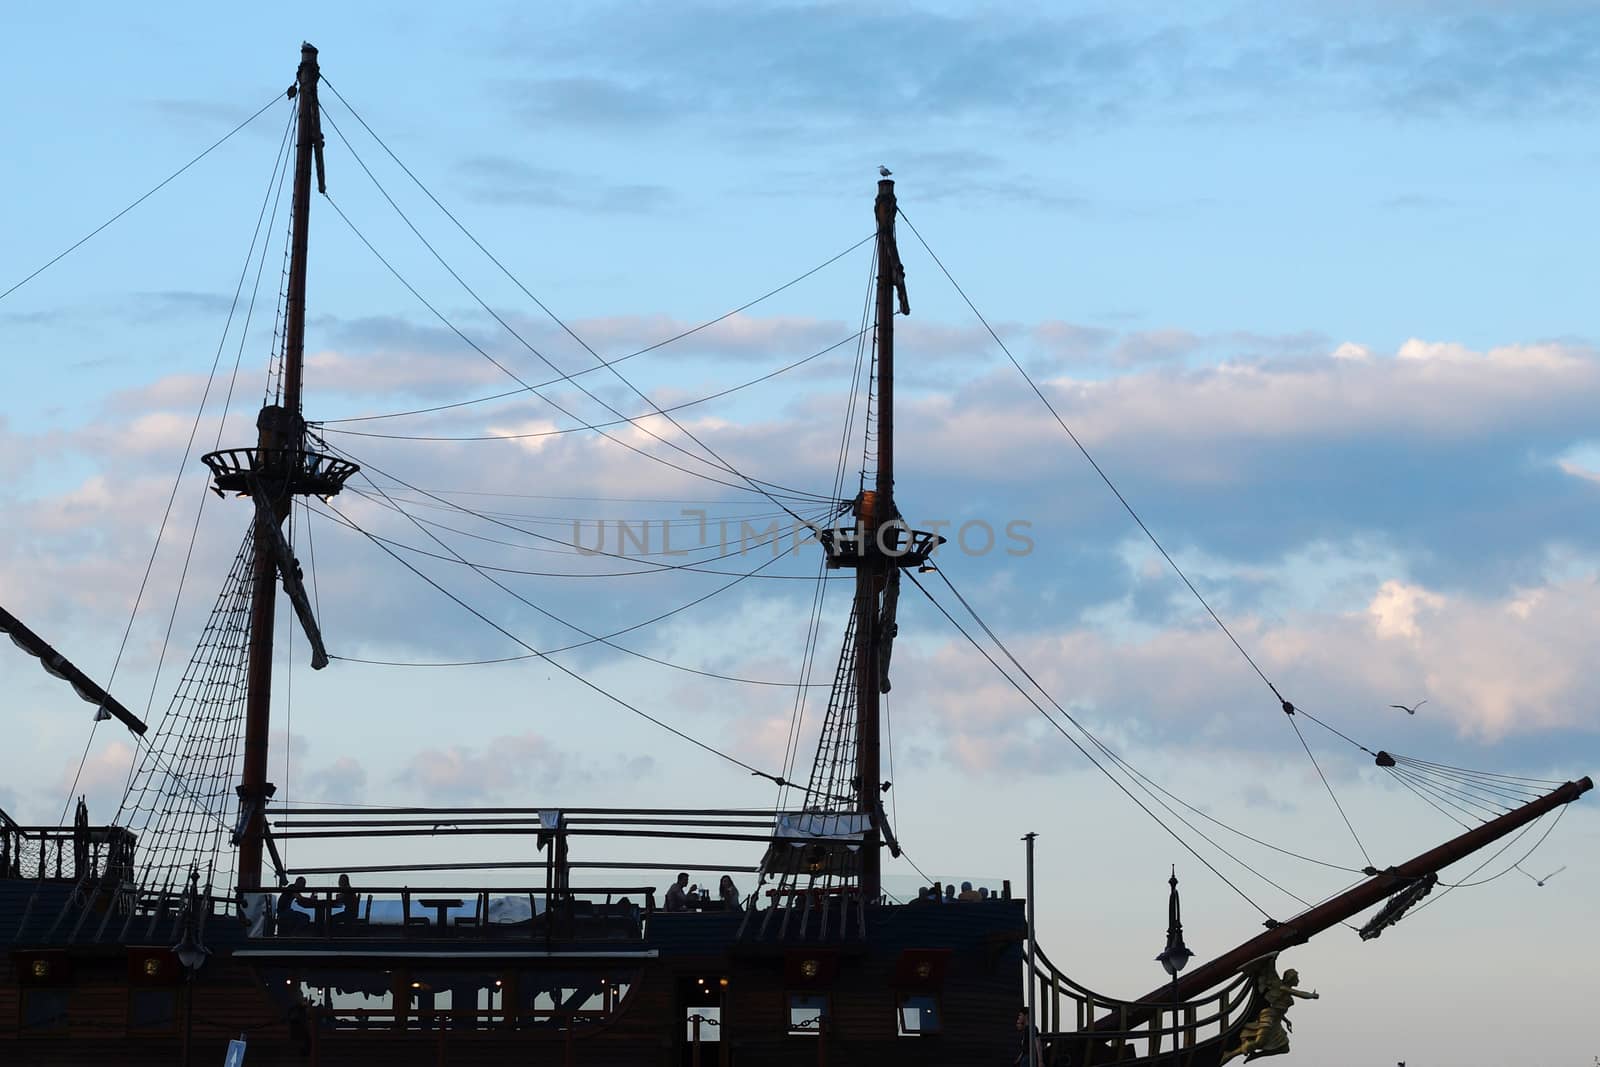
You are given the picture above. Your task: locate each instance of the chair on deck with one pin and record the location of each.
(480, 915)
(538, 921)
(407, 919)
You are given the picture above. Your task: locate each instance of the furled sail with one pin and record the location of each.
(1398, 905)
(816, 843)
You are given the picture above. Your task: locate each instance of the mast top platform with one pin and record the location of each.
(877, 538)
(280, 463)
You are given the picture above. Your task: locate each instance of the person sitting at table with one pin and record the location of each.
(349, 902)
(288, 918)
(728, 893)
(679, 893)
(968, 895)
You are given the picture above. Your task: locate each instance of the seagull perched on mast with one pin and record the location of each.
(884, 171)
(1412, 710)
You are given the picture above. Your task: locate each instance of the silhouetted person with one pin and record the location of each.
(288, 918)
(677, 898)
(1025, 1031)
(968, 895)
(728, 893)
(949, 894)
(349, 902)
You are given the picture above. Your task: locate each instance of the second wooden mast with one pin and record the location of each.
(881, 545)
(279, 468)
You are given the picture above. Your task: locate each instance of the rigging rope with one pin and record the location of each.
(275, 191)
(600, 639)
(562, 667)
(592, 638)
(508, 372)
(59, 256)
(1328, 786)
(634, 542)
(1287, 707)
(721, 463)
(182, 787)
(1085, 752)
(188, 447)
(660, 568)
(797, 714)
(1119, 760)
(371, 468)
(624, 421)
(638, 352)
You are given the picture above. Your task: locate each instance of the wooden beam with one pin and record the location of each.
(57, 664)
(1308, 924)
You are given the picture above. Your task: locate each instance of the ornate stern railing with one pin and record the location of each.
(1177, 1034)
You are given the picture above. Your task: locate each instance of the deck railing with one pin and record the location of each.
(455, 1020)
(63, 853)
(1094, 1029)
(565, 849)
(577, 912)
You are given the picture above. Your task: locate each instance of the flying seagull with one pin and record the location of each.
(1546, 878)
(884, 171)
(1412, 710)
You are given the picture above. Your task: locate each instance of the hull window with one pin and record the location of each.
(807, 1013)
(153, 1010)
(919, 1014)
(44, 1010)
(709, 1018)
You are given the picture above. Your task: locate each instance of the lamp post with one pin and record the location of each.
(1175, 957)
(191, 954)
(1030, 1033)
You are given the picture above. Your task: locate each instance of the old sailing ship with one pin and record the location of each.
(175, 928)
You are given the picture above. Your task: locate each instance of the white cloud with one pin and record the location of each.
(1490, 667)
(343, 781)
(1394, 609)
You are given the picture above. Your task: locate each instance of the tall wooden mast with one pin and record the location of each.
(871, 512)
(278, 428)
(272, 474)
(308, 146)
(883, 545)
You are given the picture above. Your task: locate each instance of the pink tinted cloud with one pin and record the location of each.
(1491, 667)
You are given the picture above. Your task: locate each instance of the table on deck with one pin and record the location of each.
(442, 905)
(321, 908)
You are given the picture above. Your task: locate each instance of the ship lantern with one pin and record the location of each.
(189, 949)
(1175, 957)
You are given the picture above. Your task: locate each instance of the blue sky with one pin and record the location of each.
(1310, 280)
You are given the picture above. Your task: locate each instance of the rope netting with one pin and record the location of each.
(181, 794)
(831, 789)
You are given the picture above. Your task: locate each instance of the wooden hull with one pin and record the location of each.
(486, 997)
